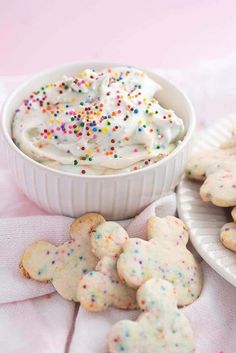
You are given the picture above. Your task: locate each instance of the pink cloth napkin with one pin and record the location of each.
(33, 318)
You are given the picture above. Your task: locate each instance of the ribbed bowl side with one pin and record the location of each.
(116, 198)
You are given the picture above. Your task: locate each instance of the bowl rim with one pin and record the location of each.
(25, 83)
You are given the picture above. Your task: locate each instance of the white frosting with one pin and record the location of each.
(97, 123)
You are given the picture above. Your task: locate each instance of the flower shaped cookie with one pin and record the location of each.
(161, 328)
(63, 265)
(102, 288)
(164, 256)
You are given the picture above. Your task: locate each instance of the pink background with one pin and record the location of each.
(171, 33)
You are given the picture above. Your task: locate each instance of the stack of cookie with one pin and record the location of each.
(217, 170)
(102, 266)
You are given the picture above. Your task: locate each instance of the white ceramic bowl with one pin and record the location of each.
(115, 196)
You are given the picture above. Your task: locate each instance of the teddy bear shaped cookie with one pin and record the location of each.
(161, 328)
(228, 236)
(217, 169)
(228, 233)
(63, 265)
(163, 256)
(220, 185)
(102, 288)
(198, 167)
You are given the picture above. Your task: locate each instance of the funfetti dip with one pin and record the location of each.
(99, 122)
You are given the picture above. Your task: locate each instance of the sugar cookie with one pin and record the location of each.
(198, 166)
(63, 265)
(220, 186)
(228, 236)
(164, 256)
(160, 328)
(102, 288)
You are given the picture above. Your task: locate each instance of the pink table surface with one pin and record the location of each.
(38, 34)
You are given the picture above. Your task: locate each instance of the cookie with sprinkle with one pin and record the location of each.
(102, 288)
(164, 256)
(63, 265)
(161, 327)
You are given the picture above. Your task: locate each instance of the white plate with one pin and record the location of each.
(204, 219)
